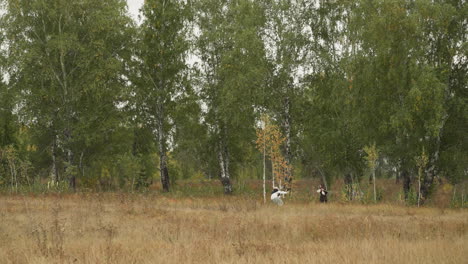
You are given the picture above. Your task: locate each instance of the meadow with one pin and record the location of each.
(157, 228)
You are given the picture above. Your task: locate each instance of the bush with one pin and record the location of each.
(412, 197)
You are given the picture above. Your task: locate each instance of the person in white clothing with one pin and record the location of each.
(276, 196)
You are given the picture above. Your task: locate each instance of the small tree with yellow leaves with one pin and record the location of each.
(269, 140)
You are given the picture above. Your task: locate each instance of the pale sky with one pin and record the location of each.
(134, 6)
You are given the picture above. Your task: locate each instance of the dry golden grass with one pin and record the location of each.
(123, 228)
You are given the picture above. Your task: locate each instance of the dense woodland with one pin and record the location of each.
(358, 89)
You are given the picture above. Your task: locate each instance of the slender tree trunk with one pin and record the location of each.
(264, 171)
(16, 176)
(463, 197)
(68, 168)
(426, 183)
(53, 171)
(68, 98)
(454, 193)
(397, 173)
(324, 179)
(81, 164)
(273, 174)
(431, 172)
(134, 154)
(14, 180)
(348, 181)
(287, 128)
(224, 165)
(71, 174)
(223, 158)
(163, 171)
(419, 187)
(373, 179)
(405, 176)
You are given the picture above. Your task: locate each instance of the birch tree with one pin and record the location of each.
(403, 74)
(67, 59)
(8, 97)
(287, 36)
(232, 70)
(161, 49)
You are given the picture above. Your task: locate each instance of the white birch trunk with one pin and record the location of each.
(419, 187)
(71, 176)
(223, 157)
(287, 128)
(224, 166)
(163, 171)
(373, 179)
(14, 180)
(264, 172)
(273, 174)
(53, 171)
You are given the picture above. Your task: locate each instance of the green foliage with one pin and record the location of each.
(87, 94)
(372, 156)
(352, 192)
(160, 72)
(15, 168)
(67, 59)
(459, 197)
(412, 197)
(231, 73)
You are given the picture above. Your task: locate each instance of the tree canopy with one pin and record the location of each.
(89, 97)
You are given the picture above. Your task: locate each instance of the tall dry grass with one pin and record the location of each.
(124, 228)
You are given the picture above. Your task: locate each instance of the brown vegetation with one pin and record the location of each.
(126, 228)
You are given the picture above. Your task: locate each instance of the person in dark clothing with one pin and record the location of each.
(323, 193)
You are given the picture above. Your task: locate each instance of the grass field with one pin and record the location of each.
(131, 228)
